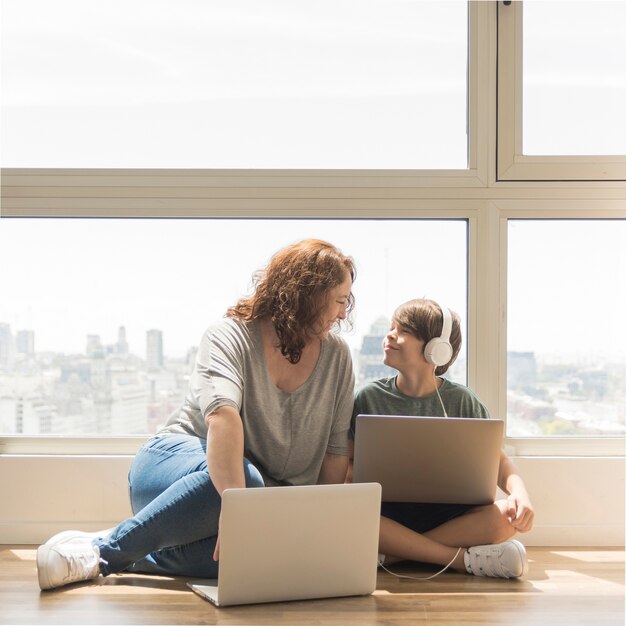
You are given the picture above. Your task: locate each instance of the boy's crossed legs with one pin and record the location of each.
(483, 531)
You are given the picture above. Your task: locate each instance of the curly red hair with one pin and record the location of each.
(292, 292)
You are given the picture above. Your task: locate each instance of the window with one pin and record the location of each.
(321, 84)
(99, 321)
(566, 305)
(574, 80)
(561, 91)
(480, 198)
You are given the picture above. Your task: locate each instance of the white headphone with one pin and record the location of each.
(438, 350)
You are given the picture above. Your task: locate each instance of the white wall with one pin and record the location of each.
(578, 501)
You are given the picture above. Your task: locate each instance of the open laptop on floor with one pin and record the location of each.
(429, 459)
(295, 543)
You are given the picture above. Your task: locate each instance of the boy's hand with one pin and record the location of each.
(520, 512)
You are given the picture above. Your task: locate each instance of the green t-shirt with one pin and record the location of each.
(382, 397)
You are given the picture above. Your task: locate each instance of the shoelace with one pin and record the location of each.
(82, 565)
(488, 562)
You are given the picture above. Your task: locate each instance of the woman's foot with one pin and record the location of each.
(78, 535)
(67, 558)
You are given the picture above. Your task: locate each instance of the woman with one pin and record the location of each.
(470, 539)
(269, 403)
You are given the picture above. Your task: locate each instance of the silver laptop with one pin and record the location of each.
(295, 543)
(429, 459)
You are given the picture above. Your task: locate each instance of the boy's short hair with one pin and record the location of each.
(424, 320)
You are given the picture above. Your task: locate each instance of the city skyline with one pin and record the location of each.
(109, 390)
(72, 285)
(108, 347)
(96, 343)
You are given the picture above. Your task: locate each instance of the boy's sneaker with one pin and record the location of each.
(500, 560)
(66, 561)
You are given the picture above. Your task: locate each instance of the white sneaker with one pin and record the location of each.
(500, 560)
(67, 561)
(78, 535)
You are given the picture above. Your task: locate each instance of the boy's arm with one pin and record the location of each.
(521, 512)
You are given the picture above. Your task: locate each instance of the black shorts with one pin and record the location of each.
(421, 517)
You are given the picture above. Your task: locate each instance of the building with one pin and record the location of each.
(369, 360)
(94, 346)
(521, 370)
(154, 349)
(7, 348)
(25, 342)
(121, 347)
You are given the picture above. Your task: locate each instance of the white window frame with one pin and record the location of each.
(487, 302)
(512, 164)
(474, 194)
(133, 182)
(553, 209)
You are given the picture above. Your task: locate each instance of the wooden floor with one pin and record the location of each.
(563, 587)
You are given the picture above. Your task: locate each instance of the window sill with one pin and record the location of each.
(566, 447)
(60, 445)
(128, 445)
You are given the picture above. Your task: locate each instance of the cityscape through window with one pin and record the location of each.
(99, 322)
(566, 336)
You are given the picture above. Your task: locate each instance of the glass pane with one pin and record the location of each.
(234, 84)
(574, 84)
(566, 332)
(99, 321)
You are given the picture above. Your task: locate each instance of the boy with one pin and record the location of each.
(424, 340)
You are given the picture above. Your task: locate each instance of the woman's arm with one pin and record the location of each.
(224, 453)
(217, 378)
(348, 478)
(335, 465)
(334, 468)
(521, 513)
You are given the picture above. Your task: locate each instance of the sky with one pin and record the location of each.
(574, 74)
(87, 276)
(302, 84)
(215, 84)
(274, 84)
(234, 84)
(90, 276)
(566, 289)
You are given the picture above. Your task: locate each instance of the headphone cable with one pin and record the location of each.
(438, 394)
(422, 578)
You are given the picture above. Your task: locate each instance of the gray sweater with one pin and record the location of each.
(286, 434)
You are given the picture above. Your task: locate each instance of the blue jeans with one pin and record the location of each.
(176, 511)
